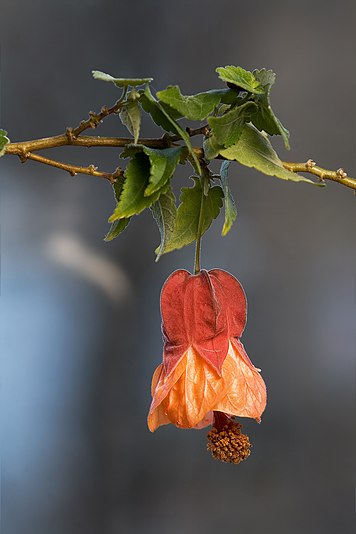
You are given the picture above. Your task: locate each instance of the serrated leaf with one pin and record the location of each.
(118, 226)
(240, 77)
(227, 96)
(163, 164)
(253, 149)
(118, 187)
(228, 127)
(130, 116)
(230, 206)
(120, 82)
(132, 199)
(265, 119)
(116, 229)
(195, 107)
(4, 140)
(266, 77)
(187, 220)
(211, 147)
(174, 126)
(164, 212)
(130, 150)
(151, 107)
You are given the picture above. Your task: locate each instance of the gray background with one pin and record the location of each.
(80, 325)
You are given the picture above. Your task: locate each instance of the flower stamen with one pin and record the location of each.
(226, 442)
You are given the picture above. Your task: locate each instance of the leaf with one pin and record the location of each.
(211, 147)
(196, 107)
(164, 212)
(174, 126)
(241, 78)
(266, 77)
(118, 187)
(120, 82)
(132, 199)
(130, 150)
(230, 207)
(4, 140)
(163, 164)
(227, 96)
(151, 107)
(265, 119)
(130, 116)
(254, 150)
(118, 226)
(187, 221)
(228, 127)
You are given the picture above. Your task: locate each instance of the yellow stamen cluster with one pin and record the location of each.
(229, 444)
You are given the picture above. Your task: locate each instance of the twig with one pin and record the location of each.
(73, 169)
(73, 137)
(96, 118)
(310, 166)
(84, 140)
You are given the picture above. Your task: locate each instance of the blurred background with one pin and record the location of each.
(80, 322)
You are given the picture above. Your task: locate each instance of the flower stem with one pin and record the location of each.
(197, 255)
(200, 226)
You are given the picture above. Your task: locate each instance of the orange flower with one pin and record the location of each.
(206, 376)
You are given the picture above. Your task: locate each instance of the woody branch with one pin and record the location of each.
(73, 137)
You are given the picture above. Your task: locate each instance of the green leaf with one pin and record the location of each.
(118, 187)
(211, 147)
(253, 149)
(120, 82)
(130, 150)
(265, 119)
(150, 105)
(4, 140)
(130, 116)
(132, 199)
(174, 126)
(230, 207)
(187, 221)
(227, 96)
(228, 128)
(240, 77)
(196, 107)
(163, 164)
(266, 77)
(118, 226)
(164, 212)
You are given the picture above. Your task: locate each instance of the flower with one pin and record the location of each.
(206, 377)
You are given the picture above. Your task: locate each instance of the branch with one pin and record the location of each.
(310, 166)
(96, 118)
(72, 137)
(73, 169)
(22, 148)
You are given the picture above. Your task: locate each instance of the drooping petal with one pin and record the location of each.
(207, 421)
(206, 319)
(233, 299)
(187, 395)
(245, 389)
(203, 311)
(160, 388)
(173, 318)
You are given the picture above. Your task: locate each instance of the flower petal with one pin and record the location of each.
(245, 389)
(186, 395)
(173, 318)
(161, 386)
(233, 299)
(206, 319)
